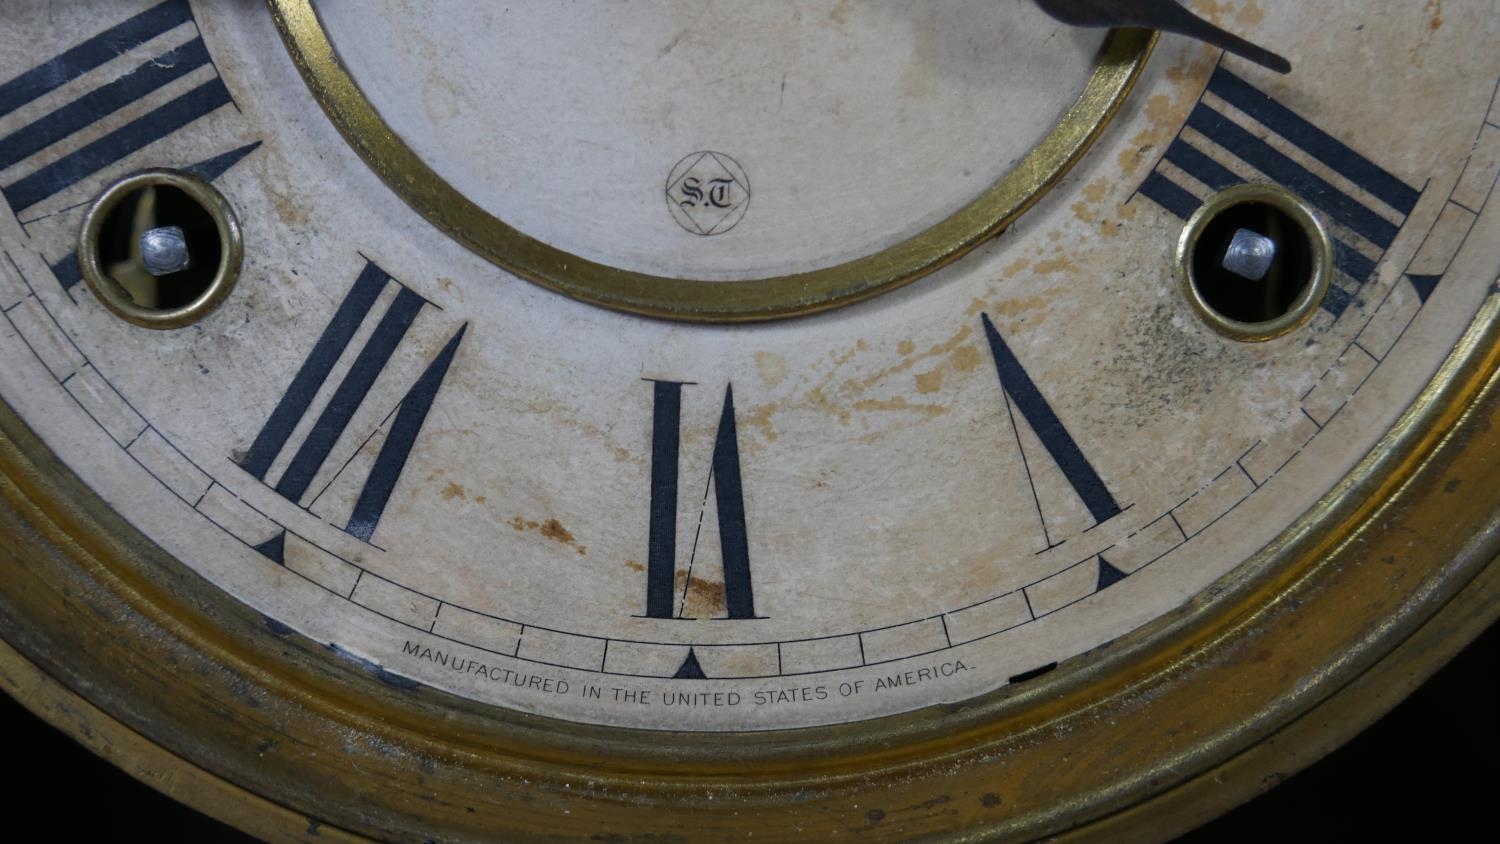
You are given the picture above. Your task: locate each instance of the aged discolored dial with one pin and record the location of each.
(794, 416)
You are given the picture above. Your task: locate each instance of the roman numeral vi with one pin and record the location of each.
(729, 500)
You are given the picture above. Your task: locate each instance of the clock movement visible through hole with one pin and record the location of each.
(161, 248)
(1255, 262)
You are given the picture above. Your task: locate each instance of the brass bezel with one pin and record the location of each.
(1119, 67)
(1301, 213)
(109, 292)
(1374, 587)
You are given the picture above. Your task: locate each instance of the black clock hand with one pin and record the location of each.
(1165, 15)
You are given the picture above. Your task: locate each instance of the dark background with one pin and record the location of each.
(1431, 768)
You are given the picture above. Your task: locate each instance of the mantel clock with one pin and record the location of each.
(682, 420)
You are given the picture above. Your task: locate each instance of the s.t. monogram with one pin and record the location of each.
(708, 193)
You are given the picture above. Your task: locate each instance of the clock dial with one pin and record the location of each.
(1187, 355)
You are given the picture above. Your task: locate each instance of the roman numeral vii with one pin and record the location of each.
(309, 456)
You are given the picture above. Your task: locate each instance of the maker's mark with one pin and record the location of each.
(708, 193)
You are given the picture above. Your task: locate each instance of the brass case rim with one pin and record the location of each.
(97, 606)
(231, 256)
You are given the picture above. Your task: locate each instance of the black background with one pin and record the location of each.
(1430, 768)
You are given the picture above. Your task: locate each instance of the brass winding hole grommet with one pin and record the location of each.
(1255, 261)
(161, 249)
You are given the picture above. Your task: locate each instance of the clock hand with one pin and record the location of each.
(1165, 15)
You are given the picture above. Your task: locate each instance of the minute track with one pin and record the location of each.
(1097, 570)
(1040, 599)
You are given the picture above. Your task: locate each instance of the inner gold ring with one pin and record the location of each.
(1119, 66)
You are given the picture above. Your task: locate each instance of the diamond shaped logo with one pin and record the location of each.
(708, 193)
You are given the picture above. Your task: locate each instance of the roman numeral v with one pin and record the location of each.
(1024, 401)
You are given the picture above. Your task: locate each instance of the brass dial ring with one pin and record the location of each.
(1119, 66)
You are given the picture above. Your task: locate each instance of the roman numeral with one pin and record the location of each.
(310, 456)
(729, 499)
(1270, 141)
(1021, 394)
(31, 186)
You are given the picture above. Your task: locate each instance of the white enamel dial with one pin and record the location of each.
(391, 446)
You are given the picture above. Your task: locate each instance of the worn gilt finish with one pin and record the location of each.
(1342, 591)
